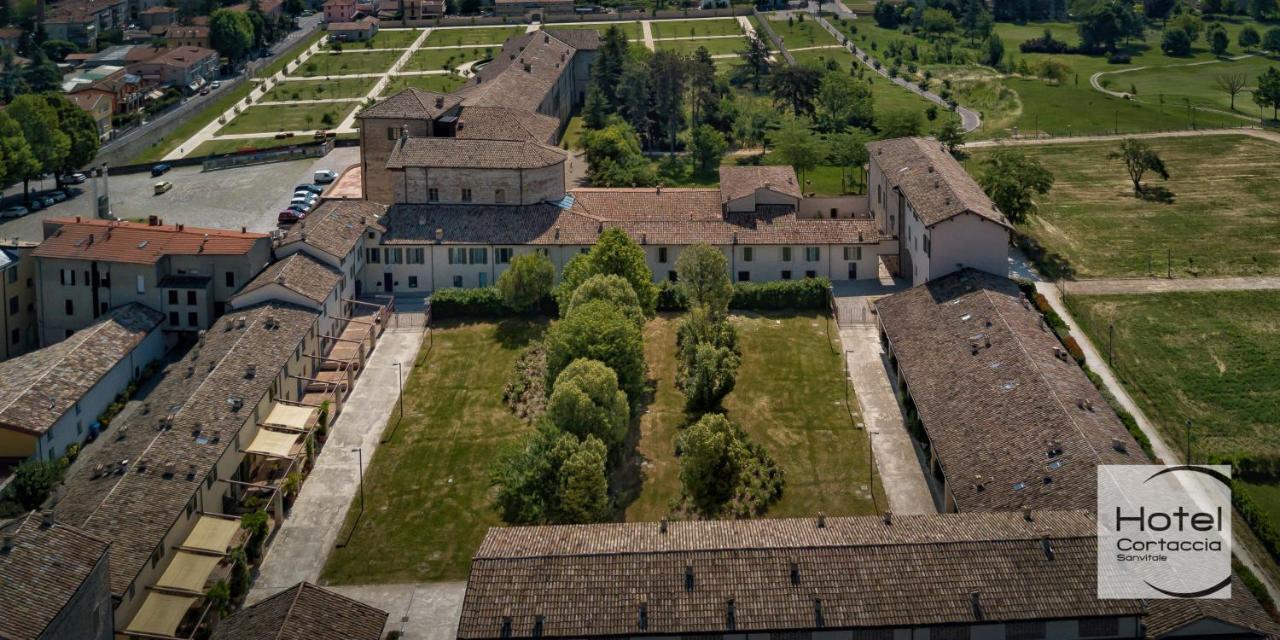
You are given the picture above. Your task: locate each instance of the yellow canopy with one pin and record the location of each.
(188, 571)
(272, 443)
(292, 416)
(160, 614)
(212, 534)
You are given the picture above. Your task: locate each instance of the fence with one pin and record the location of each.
(265, 156)
(763, 22)
(480, 21)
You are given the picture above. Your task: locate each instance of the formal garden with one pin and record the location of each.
(607, 397)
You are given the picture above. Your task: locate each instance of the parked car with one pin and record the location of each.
(325, 176)
(300, 207)
(215, 84)
(313, 188)
(75, 178)
(204, 91)
(47, 201)
(163, 187)
(16, 211)
(160, 170)
(289, 216)
(35, 204)
(58, 196)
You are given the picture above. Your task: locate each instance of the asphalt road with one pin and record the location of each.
(232, 198)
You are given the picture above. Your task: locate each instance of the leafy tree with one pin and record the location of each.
(44, 135)
(527, 281)
(58, 49)
(951, 136)
(1262, 9)
(900, 124)
(975, 20)
(1271, 40)
(885, 14)
(239, 575)
(752, 124)
(703, 90)
(32, 483)
(17, 161)
(993, 51)
(584, 487)
(1268, 92)
(294, 7)
(595, 109)
(1175, 42)
(937, 22)
(796, 145)
(756, 57)
(1158, 9)
(231, 33)
(611, 288)
(709, 464)
(667, 80)
(795, 87)
(1139, 158)
(614, 158)
(703, 275)
(600, 331)
(843, 101)
(606, 71)
(1011, 179)
(527, 476)
(1218, 40)
(1105, 24)
(1190, 23)
(707, 146)
(1248, 38)
(259, 29)
(80, 129)
(706, 375)
(702, 326)
(849, 152)
(219, 598)
(1232, 83)
(613, 253)
(41, 74)
(634, 94)
(587, 402)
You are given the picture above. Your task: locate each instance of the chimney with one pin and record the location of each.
(662, 526)
(1027, 515)
(888, 518)
(688, 577)
(817, 612)
(643, 622)
(46, 518)
(1048, 548)
(658, 190)
(795, 572)
(1119, 446)
(244, 229)
(439, 102)
(822, 520)
(439, 234)
(730, 615)
(181, 226)
(153, 221)
(6, 543)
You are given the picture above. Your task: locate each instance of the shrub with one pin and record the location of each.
(1175, 42)
(583, 494)
(1074, 349)
(612, 289)
(527, 281)
(600, 331)
(614, 253)
(700, 327)
(671, 297)
(707, 375)
(586, 402)
(723, 471)
(526, 390)
(256, 524)
(1258, 519)
(551, 476)
(482, 302)
(809, 293)
(703, 274)
(1045, 44)
(32, 483)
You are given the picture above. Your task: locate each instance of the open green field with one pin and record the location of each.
(1211, 357)
(631, 29)
(715, 46)
(436, 59)
(453, 37)
(695, 28)
(443, 83)
(288, 117)
(796, 34)
(319, 89)
(1196, 82)
(427, 489)
(395, 38)
(349, 62)
(1222, 221)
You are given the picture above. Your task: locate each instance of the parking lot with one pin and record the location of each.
(231, 198)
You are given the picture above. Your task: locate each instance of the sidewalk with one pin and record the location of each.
(303, 542)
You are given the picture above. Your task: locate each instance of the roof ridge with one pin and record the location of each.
(87, 334)
(297, 593)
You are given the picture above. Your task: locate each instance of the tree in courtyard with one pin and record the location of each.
(595, 109)
(230, 34)
(1011, 180)
(886, 14)
(797, 145)
(951, 136)
(584, 487)
(794, 86)
(17, 161)
(527, 281)
(849, 152)
(32, 483)
(667, 81)
(752, 124)
(1232, 83)
(703, 90)
(606, 71)
(1248, 38)
(600, 331)
(614, 158)
(586, 401)
(1139, 158)
(1175, 42)
(707, 373)
(899, 124)
(1268, 92)
(707, 146)
(756, 59)
(44, 136)
(703, 276)
(528, 476)
(611, 288)
(634, 95)
(709, 463)
(80, 129)
(843, 101)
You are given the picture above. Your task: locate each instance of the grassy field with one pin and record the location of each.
(278, 65)
(436, 59)
(319, 89)
(395, 38)
(1222, 220)
(695, 28)
(349, 62)
(219, 147)
(807, 33)
(465, 36)
(289, 117)
(1178, 83)
(438, 83)
(716, 46)
(631, 29)
(1210, 357)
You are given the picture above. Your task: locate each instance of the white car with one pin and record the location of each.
(16, 211)
(325, 176)
(215, 84)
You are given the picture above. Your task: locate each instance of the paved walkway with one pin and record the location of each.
(648, 35)
(349, 123)
(1165, 285)
(1162, 450)
(428, 611)
(303, 542)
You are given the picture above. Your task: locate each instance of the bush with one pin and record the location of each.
(1074, 349)
(484, 302)
(526, 390)
(1045, 44)
(586, 402)
(600, 331)
(551, 476)
(256, 524)
(31, 485)
(707, 375)
(614, 253)
(583, 494)
(527, 281)
(809, 293)
(612, 289)
(671, 297)
(1119, 58)
(1258, 519)
(723, 472)
(1175, 42)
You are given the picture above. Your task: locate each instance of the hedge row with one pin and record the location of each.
(1257, 518)
(809, 293)
(484, 302)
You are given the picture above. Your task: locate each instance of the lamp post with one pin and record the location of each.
(400, 387)
(1111, 338)
(1188, 440)
(360, 466)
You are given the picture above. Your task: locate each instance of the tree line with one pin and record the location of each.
(44, 133)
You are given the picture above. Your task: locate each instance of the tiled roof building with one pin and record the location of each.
(304, 612)
(52, 581)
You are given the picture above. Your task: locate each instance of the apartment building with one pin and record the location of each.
(53, 581)
(18, 297)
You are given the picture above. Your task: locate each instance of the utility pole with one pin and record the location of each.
(1111, 338)
(360, 466)
(400, 387)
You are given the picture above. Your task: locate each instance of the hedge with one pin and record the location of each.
(485, 302)
(809, 293)
(1257, 518)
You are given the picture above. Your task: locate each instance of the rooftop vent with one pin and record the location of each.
(191, 472)
(439, 234)
(271, 322)
(235, 402)
(662, 526)
(240, 321)
(251, 371)
(1027, 515)
(528, 68)
(688, 577)
(643, 622)
(888, 518)
(505, 632)
(1019, 486)
(537, 627)
(730, 615)
(795, 573)
(1048, 548)
(930, 168)
(46, 518)
(822, 520)
(122, 432)
(817, 613)
(1119, 445)
(168, 470)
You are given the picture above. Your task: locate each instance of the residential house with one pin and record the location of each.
(358, 31)
(18, 295)
(82, 21)
(159, 16)
(339, 10)
(86, 267)
(100, 105)
(128, 91)
(410, 9)
(184, 68)
(268, 8)
(305, 611)
(528, 7)
(53, 581)
(176, 36)
(51, 398)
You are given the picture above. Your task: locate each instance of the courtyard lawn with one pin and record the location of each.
(467, 35)
(319, 89)
(695, 28)
(631, 29)
(427, 488)
(349, 62)
(1222, 220)
(797, 34)
(443, 83)
(395, 38)
(288, 117)
(224, 146)
(279, 64)
(439, 59)
(716, 46)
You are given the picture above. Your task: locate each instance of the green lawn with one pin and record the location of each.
(468, 35)
(395, 38)
(319, 89)
(219, 147)
(434, 59)
(1211, 357)
(631, 29)
(438, 83)
(289, 117)
(796, 34)
(695, 28)
(1222, 221)
(716, 46)
(349, 62)
(278, 65)
(1179, 82)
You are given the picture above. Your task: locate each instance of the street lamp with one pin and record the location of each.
(400, 387)
(1188, 440)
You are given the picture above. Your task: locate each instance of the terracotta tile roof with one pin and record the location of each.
(72, 11)
(304, 612)
(640, 204)
(1012, 419)
(87, 100)
(184, 57)
(41, 573)
(591, 580)
(102, 240)
(336, 226)
(1167, 616)
(580, 39)
(38, 388)
(301, 274)
(463, 153)
(176, 434)
(501, 123)
(412, 103)
(180, 31)
(522, 75)
(937, 186)
(738, 182)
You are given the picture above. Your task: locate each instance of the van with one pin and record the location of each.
(163, 187)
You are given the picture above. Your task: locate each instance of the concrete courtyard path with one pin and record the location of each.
(428, 611)
(302, 544)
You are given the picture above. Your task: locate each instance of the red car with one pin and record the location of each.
(289, 216)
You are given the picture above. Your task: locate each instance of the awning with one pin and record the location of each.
(155, 94)
(160, 615)
(291, 416)
(272, 443)
(188, 571)
(212, 534)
